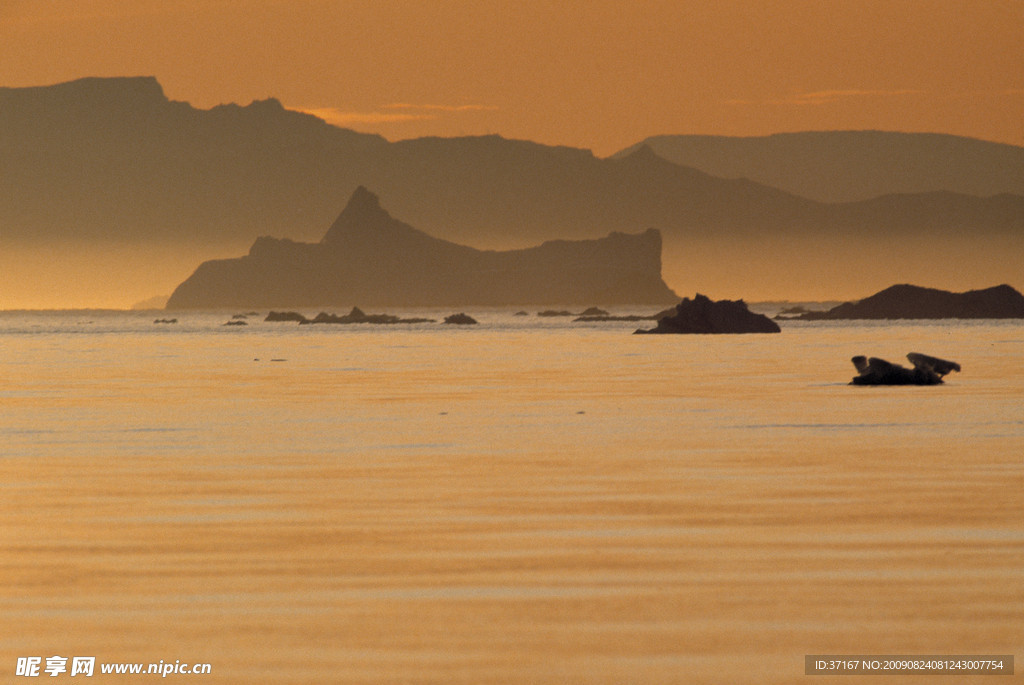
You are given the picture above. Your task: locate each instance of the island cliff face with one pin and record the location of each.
(370, 258)
(915, 302)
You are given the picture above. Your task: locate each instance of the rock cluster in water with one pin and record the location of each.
(357, 315)
(590, 312)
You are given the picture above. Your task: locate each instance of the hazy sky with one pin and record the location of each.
(595, 73)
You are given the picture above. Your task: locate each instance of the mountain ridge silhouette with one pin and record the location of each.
(114, 161)
(850, 166)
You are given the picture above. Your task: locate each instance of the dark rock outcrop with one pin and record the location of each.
(927, 370)
(702, 315)
(460, 319)
(367, 256)
(285, 316)
(915, 302)
(611, 317)
(588, 314)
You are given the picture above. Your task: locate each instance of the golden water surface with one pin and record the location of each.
(507, 505)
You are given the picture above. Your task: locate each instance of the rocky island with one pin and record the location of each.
(703, 315)
(369, 257)
(915, 302)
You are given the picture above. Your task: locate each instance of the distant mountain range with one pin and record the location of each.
(113, 161)
(367, 257)
(848, 166)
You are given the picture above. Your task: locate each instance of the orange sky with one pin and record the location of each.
(595, 73)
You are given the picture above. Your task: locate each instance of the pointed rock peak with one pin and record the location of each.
(363, 209)
(363, 200)
(362, 215)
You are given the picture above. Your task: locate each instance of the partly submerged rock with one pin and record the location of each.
(285, 316)
(587, 314)
(610, 317)
(590, 317)
(927, 370)
(460, 319)
(702, 315)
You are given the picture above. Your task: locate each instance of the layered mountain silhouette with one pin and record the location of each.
(370, 258)
(846, 166)
(115, 162)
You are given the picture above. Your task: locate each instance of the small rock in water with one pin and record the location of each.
(459, 319)
(285, 316)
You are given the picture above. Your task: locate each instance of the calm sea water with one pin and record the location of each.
(523, 501)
